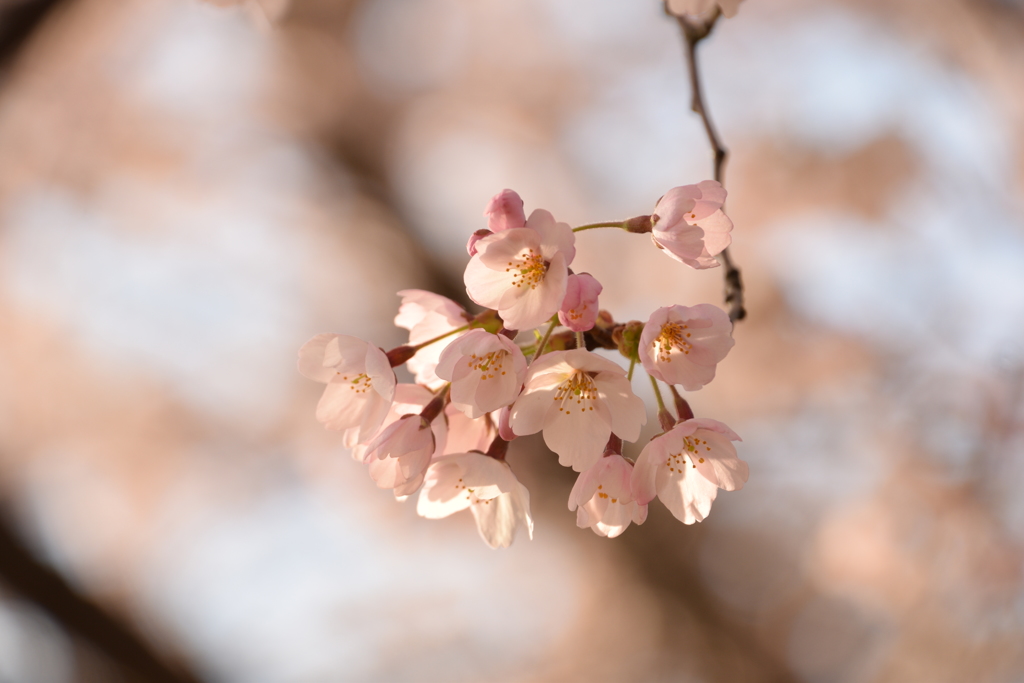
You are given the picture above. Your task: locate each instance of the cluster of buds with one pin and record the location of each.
(483, 380)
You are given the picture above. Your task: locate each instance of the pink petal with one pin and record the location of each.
(505, 211)
(577, 436)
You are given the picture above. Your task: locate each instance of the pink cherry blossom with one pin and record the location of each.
(698, 7)
(522, 272)
(686, 466)
(689, 224)
(684, 344)
(579, 308)
(399, 455)
(359, 378)
(427, 315)
(410, 399)
(486, 371)
(487, 486)
(604, 497)
(578, 399)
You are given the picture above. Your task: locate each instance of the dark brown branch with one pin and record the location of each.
(45, 588)
(18, 21)
(693, 33)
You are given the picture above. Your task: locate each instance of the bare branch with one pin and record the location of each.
(693, 33)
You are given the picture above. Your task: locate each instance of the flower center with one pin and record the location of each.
(577, 313)
(469, 494)
(490, 365)
(676, 462)
(601, 494)
(580, 388)
(528, 270)
(673, 337)
(360, 384)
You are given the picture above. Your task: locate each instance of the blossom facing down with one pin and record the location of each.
(686, 466)
(427, 315)
(500, 504)
(399, 455)
(410, 399)
(578, 399)
(603, 497)
(689, 224)
(486, 371)
(579, 307)
(698, 7)
(359, 378)
(522, 272)
(684, 344)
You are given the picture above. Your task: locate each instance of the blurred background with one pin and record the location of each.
(189, 192)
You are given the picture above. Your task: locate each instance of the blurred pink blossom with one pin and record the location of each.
(698, 7)
(427, 315)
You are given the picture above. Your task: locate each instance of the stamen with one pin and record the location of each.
(490, 365)
(673, 337)
(580, 388)
(528, 270)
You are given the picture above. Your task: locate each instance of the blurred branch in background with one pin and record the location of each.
(20, 570)
(79, 616)
(18, 19)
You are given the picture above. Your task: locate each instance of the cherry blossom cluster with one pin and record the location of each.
(483, 380)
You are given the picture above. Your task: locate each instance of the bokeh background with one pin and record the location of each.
(189, 192)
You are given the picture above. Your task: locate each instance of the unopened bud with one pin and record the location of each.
(627, 338)
(638, 224)
(498, 449)
(489, 320)
(614, 446)
(476, 237)
(666, 420)
(682, 407)
(400, 354)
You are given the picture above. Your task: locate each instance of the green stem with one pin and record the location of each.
(440, 337)
(657, 393)
(610, 224)
(632, 364)
(544, 341)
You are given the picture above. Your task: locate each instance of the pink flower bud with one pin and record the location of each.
(505, 211)
(476, 237)
(579, 308)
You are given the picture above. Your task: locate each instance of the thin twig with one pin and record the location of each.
(693, 33)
